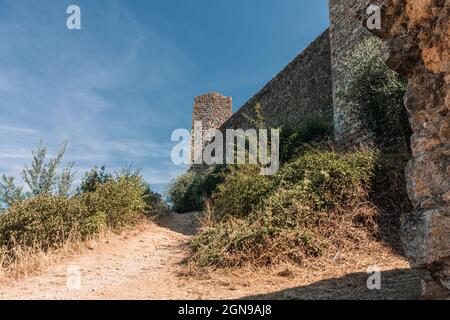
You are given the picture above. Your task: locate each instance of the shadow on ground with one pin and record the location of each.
(398, 284)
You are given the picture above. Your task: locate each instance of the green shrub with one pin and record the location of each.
(377, 94)
(328, 179)
(239, 242)
(388, 193)
(314, 129)
(188, 192)
(93, 178)
(47, 221)
(44, 221)
(121, 199)
(42, 178)
(242, 189)
(156, 207)
(294, 215)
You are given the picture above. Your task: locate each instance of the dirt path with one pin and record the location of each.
(146, 264)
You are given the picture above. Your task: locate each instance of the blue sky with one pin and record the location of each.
(118, 88)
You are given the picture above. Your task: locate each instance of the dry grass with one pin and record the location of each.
(342, 230)
(355, 240)
(330, 276)
(322, 204)
(21, 262)
(25, 261)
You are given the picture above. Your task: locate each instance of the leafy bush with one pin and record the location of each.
(44, 221)
(188, 192)
(47, 221)
(241, 191)
(49, 216)
(389, 195)
(377, 94)
(177, 193)
(290, 217)
(156, 207)
(94, 178)
(238, 242)
(121, 200)
(314, 129)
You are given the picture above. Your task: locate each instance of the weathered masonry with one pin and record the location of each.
(302, 87)
(417, 35)
(212, 110)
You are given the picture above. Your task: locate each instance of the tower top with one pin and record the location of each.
(212, 110)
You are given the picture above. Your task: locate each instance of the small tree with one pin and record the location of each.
(43, 177)
(376, 96)
(9, 192)
(94, 178)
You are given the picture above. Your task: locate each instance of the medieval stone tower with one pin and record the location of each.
(212, 110)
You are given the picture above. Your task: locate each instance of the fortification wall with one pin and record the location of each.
(302, 87)
(313, 80)
(346, 31)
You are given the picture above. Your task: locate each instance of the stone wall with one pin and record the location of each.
(346, 31)
(302, 87)
(212, 109)
(417, 34)
(313, 80)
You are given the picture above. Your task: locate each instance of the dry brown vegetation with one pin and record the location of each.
(145, 262)
(320, 202)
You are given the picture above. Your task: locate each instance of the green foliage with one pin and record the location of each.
(42, 178)
(47, 221)
(94, 178)
(188, 192)
(325, 180)
(265, 220)
(121, 199)
(377, 93)
(48, 216)
(258, 121)
(44, 221)
(314, 129)
(9, 192)
(241, 191)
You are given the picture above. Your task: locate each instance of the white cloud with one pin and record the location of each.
(59, 84)
(5, 130)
